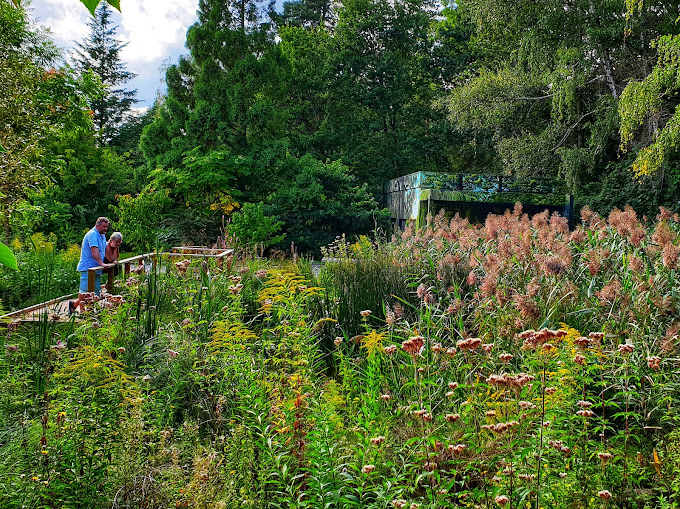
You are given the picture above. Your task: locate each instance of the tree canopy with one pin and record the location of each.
(308, 111)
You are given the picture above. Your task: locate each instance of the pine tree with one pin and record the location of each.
(100, 54)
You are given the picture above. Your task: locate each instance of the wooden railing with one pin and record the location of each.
(179, 251)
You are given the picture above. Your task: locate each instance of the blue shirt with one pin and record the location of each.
(92, 239)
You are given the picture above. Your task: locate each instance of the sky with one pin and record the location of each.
(155, 31)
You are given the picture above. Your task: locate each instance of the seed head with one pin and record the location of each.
(583, 342)
(505, 357)
(413, 345)
(469, 344)
(625, 348)
(502, 500)
(604, 456)
(457, 449)
(579, 359)
(654, 362)
(604, 494)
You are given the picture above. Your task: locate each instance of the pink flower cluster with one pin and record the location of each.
(519, 380)
(413, 345)
(469, 344)
(501, 427)
(531, 338)
(558, 445)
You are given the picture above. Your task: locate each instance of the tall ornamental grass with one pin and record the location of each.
(511, 364)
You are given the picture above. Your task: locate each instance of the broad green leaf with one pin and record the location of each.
(91, 5)
(2, 150)
(7, 257)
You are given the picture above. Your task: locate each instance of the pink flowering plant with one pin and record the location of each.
(510, 364)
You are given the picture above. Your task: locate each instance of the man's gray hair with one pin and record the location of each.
(116, 235)
(101, 220)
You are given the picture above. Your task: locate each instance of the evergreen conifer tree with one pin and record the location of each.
(100, 54)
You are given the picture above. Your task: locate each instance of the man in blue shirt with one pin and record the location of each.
(91, 255)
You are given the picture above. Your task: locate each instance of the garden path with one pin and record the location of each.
(57, 309)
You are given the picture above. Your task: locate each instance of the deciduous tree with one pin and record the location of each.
(547, 79)
(650, 119)
(38, 104)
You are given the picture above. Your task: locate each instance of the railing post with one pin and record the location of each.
(90, 281)
(111, 279)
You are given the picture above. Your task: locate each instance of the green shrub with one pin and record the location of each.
(253, 228)
(42, 274)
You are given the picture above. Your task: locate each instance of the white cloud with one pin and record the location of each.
(155, 31)
(152, 27)
(66, 19)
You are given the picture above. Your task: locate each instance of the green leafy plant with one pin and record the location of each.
(253, 228)
(140, 216)
(7, 258)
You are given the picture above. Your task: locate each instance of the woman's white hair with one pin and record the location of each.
(116, 235)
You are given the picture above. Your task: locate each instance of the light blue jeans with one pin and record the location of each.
(97, 283)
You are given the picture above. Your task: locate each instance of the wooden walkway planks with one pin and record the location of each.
(57, 309)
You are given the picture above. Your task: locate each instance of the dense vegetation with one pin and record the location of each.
(515, 363)
(305, 113)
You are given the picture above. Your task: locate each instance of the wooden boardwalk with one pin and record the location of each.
(57, 309)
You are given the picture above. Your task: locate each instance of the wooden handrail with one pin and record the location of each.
(206, 253)
(35, 307)
(91, 272)
(198, 248)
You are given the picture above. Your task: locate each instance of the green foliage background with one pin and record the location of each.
(311, 109)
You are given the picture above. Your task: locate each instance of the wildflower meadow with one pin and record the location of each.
(515, 364)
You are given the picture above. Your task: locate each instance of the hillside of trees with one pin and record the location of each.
(305, 112)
